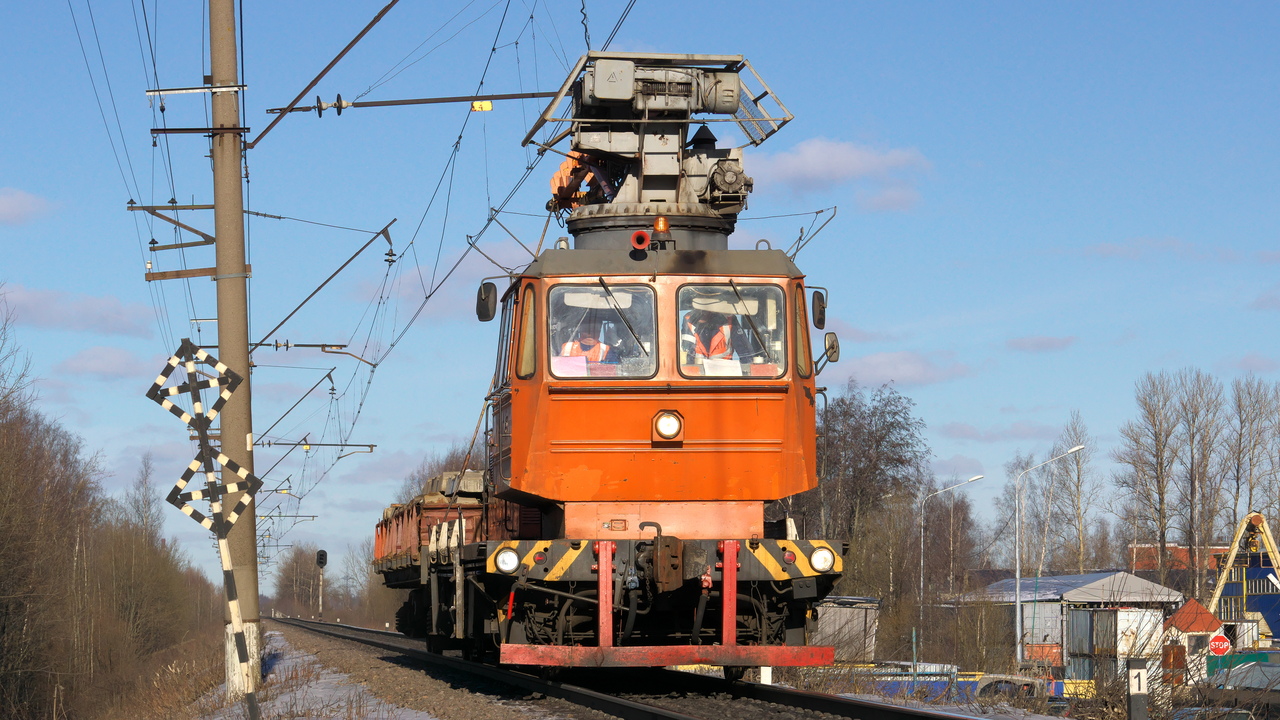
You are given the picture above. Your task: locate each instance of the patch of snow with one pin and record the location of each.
(298, 687)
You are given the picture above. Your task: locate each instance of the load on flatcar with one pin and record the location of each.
(654, 392)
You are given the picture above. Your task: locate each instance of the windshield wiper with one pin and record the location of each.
(618, 309)
(754, 330)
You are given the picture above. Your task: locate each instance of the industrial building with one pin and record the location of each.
(1083, 627)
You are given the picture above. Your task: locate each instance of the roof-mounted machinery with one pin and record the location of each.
(631, 144)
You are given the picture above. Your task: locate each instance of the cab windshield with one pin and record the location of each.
(732, 330)
(602, 330)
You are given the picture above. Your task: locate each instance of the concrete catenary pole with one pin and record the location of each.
(233, 322)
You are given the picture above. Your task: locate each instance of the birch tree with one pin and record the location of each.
(1147, 455)
(1250, 434)
(1079, 492)
(1199, 411)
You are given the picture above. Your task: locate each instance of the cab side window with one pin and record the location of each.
(500, 377)
(803, 357)
(528, 358)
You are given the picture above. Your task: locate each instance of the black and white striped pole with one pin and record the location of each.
(219, 520)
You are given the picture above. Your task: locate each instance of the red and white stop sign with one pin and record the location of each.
(1219, 645)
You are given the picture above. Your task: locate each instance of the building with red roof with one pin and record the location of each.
(1186, 650)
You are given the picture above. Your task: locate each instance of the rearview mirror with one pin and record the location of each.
(487, 302)
(819, 314)
(832, 353)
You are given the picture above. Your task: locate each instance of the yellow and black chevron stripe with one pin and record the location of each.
(758, 560)
(561, 558)
(768, 555)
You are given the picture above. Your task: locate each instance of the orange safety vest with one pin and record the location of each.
(565, 182)
(719, 343)
(595, 354)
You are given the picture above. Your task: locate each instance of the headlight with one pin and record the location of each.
(668, 425)
(821, 559)
(507, 560)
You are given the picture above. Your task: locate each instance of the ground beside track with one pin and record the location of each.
(407, 683)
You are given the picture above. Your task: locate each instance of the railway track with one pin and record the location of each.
(671, 695)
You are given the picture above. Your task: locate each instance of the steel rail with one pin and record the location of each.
(813, 701)
(618, 707)
(836, 705)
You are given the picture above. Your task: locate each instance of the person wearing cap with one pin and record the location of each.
(588, 345)
(707, 335)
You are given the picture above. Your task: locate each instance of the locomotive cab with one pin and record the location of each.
(633, 390)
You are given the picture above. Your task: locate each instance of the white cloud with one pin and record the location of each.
(897, 197)
(109, 363)
(907, 368)
(455, 299)
(821, 163)
(1016, 431)
(1040, 343)
(106, 314)
(378, 467)
(1145, 248)
(1269, 300)
(958, 466)
(19, 208)
(1252, 363)
(850, 333)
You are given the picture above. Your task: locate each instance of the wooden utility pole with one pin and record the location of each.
(233, 323)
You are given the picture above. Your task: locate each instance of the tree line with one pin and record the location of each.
(1195, 460)
(100, 615)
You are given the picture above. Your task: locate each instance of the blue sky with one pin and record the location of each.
(1038, 203)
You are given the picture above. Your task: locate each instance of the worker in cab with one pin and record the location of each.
(588, 345)
(707, 335)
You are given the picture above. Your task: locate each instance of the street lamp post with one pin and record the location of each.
(922, 502)
(1017, 550)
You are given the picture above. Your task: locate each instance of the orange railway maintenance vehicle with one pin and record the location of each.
(654, 391)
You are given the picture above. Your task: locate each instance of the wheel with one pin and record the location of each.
(471, 651)
(435, 644)
(734, 673)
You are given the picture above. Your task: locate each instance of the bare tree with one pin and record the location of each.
(15, 367)
(1105, 545)
(1147, 455)
(871, 448)
(1200, 431)
(298, 580)
(1079, 493)
(453, 458)
(93, 601)
(1032, 517)
(872, 463)
(1251, 424)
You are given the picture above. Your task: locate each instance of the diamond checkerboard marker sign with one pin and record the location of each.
(220, 520)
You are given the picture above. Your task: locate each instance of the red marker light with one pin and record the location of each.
(539, 557)
(789, 557)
